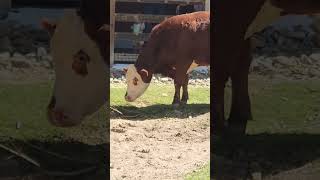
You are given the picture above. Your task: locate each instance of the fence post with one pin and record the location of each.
(112, 24)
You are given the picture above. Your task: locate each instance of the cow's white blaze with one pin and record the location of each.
(267, 15)
(135, 86)
(76, 95)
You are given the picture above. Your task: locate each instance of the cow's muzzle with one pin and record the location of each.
(128, 98)
(57, 117)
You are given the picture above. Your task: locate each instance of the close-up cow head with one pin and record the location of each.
(137, 82)
(80, 86)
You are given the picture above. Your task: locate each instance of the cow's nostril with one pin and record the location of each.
(126, 94)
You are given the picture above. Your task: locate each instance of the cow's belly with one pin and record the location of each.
(267, 15)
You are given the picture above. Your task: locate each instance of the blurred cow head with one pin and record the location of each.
(80, 86)
(137, 82)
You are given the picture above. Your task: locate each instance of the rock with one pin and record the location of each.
(41, 52)
(46, 64)
(300, 35)
(315, 57)
(314, 73)
(165, 79)
(5, 55)
(305, 60)
(283, 60)
(20, 63)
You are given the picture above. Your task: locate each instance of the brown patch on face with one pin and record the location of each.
(79, 64)
(135, 81)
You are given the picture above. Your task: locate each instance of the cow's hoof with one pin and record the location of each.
(236, 129)
(183, 103)
(175, 105)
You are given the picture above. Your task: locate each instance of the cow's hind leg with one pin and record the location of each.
(176, 97)
(185, 94)
(180, 80)
(240, 108)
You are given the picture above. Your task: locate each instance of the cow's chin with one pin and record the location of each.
(67, 122)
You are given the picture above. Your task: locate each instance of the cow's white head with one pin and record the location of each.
(137, 82)
(80, 86)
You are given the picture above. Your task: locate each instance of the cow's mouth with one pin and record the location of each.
(58, 117)
(128, 98)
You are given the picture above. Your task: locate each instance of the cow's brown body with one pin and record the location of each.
(173, 46)
(232, 57)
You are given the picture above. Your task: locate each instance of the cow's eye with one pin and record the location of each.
(80, 61)
(82, 56)
(135, 81)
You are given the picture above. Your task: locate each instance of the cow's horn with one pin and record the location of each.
(105, 27)
(143, 70)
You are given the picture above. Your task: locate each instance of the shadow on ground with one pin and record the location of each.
(158, 111)
(52, 160)
(238, 158)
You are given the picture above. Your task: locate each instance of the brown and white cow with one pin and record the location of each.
(80, 51)
(175, 46)
(234, 23)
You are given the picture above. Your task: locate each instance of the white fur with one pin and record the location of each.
(192, 66)
(77, 96)
(134, 91)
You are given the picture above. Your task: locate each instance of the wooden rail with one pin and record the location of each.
(46, 3)
(148, 18)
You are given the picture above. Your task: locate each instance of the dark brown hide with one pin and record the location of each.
(231, 55)
(173, 45)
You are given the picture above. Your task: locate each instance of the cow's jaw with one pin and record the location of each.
(134, 91)
(76, 95)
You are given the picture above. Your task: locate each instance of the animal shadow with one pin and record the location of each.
(159, 111)
(52, 160)
(267, 154)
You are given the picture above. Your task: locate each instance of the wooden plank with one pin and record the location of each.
(131, 36)
(164, 1)
(149, 18)
(207, 5)
(45, 3)
(112, 27)
(125, 58)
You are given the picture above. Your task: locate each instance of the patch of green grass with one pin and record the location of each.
(286, 107)
(156, 102)
(163, 94)
(26, 103)
(201, 174)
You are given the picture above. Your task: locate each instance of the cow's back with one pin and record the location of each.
(182, 36)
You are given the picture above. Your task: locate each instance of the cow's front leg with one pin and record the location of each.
(176, 97)
(218, 84)
(240, 108)
(185, 94)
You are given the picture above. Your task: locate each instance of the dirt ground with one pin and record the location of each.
(159, 148)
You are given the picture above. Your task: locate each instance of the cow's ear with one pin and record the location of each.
(49, 26)
(144, 72)
(125, 70)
